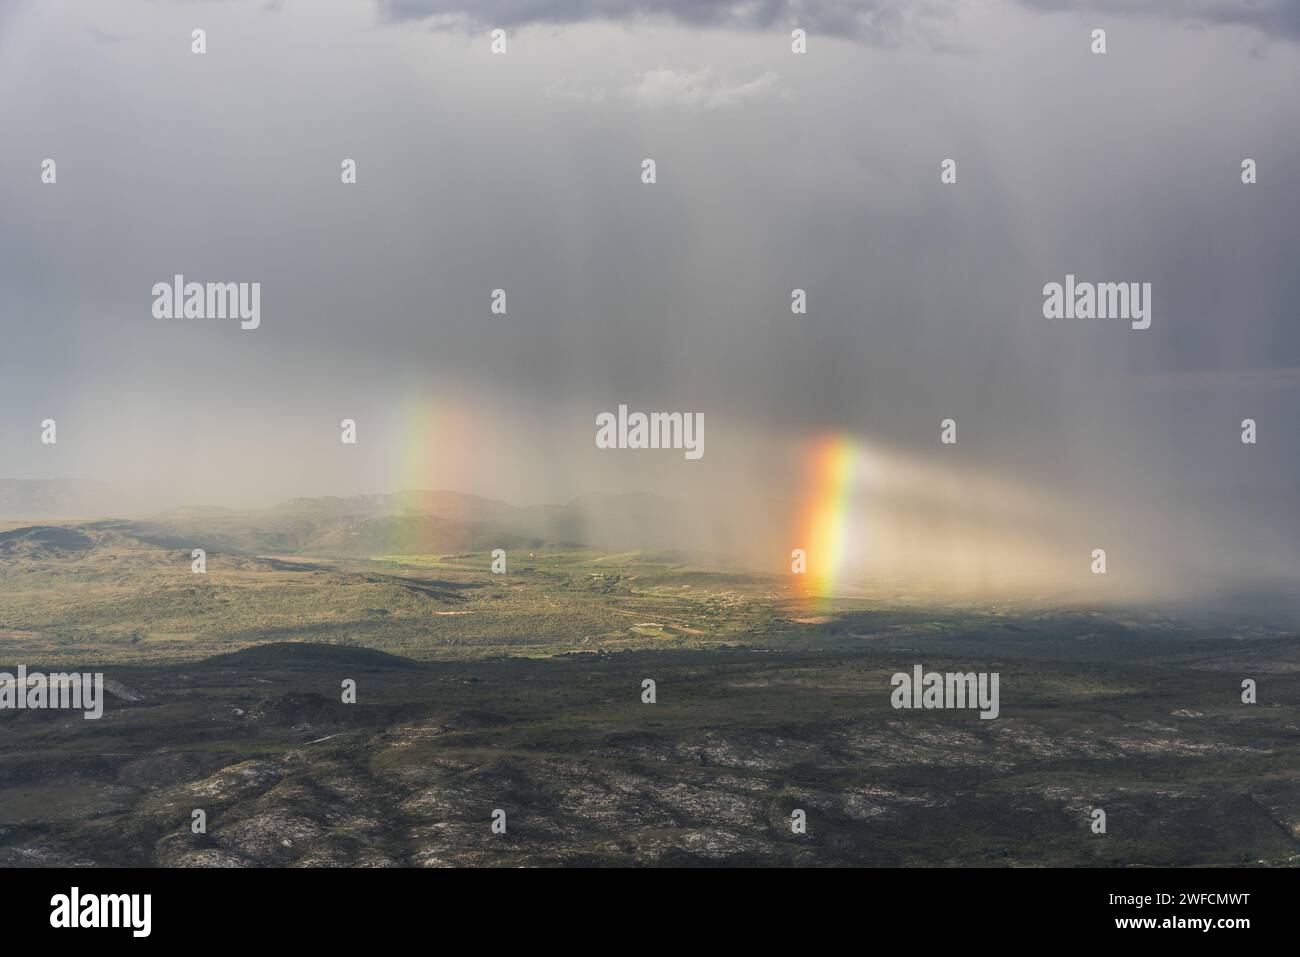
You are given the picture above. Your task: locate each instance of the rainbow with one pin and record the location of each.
(826, 521)
(428, 447)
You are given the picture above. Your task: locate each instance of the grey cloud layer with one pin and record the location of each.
(879, 21)
(876, 20)
(1279, 17)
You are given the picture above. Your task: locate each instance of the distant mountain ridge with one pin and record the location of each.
(53, 498)
(409, 521)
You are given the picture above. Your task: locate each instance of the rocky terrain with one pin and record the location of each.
(709, 774)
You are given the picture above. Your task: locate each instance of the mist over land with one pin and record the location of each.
(524, 691)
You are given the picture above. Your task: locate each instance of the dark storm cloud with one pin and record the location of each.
(1276, 17)
(869, 20)
(875, 21)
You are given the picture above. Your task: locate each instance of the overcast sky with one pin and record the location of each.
(522, 171)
